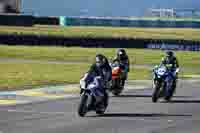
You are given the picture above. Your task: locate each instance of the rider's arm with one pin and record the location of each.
(91, 71)
(115, 59)
(177, 63)
(92, 68)
(86, 79)
(110, 73)
(163, 62)
(128, 65)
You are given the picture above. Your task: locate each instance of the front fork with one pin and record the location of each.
(89, 100)
(159, 84)
(156, 83)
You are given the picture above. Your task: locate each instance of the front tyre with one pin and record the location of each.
(82, 109)
(156, 93)
(116, 89)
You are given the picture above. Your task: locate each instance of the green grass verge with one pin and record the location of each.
(28, 75)
(16, 76)
(107, 32)
(86, 55)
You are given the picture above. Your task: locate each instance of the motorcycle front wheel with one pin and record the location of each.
(156, 92)
(116, 89)
(82, 109)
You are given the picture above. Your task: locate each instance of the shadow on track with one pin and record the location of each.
(129, 96)
(141, 115)
(184, 101)
(144, 96)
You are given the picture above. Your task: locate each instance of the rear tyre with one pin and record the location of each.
(116, 93)
(82, 109)
(100, 108)
(171, 93)
(99, 112)
(106, 100)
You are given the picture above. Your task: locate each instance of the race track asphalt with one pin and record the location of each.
(132, 112)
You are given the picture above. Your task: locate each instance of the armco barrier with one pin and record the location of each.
(46, 20)
(16, 20)
(119, 22)
(27, 20)
(65, 41)
(99, 42)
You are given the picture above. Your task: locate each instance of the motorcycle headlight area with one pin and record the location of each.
(82, 84)
(161, 71)
(90, 86)
(116, 68)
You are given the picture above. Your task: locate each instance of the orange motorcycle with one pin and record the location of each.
(117, 72)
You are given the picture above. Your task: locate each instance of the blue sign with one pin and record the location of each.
(165, 46)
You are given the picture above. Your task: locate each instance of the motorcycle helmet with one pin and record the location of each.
(100, 60)
(121, 53)
(169, 54)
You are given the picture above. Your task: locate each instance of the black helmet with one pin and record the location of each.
(100, 59)
(169, 53)
(121, 53)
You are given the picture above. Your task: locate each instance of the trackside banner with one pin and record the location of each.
(183, 47)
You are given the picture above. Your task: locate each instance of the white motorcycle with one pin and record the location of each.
(91, 97)
(164, 85)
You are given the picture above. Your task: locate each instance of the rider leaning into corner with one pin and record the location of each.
(170, 59)
(102, 69)
(123, 59)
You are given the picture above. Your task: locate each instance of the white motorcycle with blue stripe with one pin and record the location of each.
(163, 79)
(91, 94)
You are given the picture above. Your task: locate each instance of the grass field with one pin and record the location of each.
(22, 75)
(86, 55)
(108, 32)
(28, 75)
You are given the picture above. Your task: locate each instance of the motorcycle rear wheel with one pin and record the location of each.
(116, 93)
(171, 93)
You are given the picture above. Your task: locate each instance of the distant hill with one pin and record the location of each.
(101, 7)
